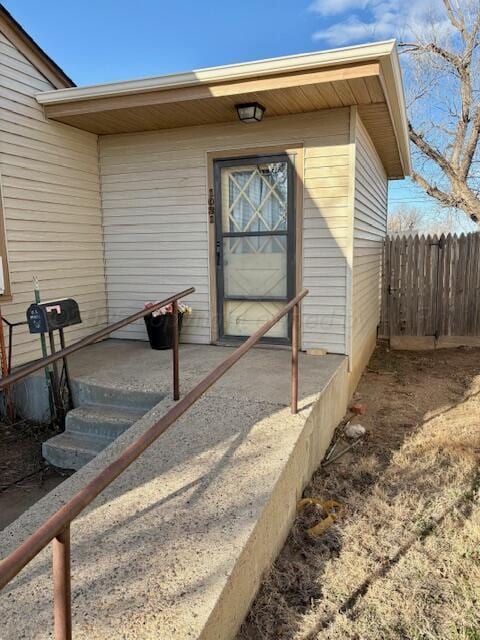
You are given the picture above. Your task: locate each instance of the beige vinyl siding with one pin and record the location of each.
(370, 224)
(154, 198)
(51, 195)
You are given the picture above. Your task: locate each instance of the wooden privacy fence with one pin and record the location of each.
(431, 286)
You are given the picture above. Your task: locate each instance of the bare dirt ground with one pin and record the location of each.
(403, 561)
(24, 477)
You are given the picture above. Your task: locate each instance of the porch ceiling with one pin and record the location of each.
(210, 96)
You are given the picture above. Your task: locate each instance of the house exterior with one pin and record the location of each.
(50, 196)
(126, 192)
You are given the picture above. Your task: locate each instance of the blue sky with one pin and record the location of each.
(116, 40)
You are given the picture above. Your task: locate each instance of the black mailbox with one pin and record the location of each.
(55, 314)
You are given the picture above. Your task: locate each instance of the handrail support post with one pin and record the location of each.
(57, 400)
(175, 340)
(62, 600)
(66, 369)
(295, 347)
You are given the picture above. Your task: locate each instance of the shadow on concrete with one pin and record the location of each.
(203, 480)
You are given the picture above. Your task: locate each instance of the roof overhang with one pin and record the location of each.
(368, 76)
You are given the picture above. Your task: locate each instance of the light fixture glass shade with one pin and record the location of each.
(250, 112)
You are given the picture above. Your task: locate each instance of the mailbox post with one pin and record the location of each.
(48, 317)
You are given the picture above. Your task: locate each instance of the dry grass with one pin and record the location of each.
(404, 560)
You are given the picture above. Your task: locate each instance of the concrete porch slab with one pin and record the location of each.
(176, 546)
(262, 374)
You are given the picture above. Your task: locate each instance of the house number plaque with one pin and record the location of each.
(211, 206)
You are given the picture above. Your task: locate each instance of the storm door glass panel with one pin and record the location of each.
(255, 266)
(244, 317)
(253, 246)
(255, 198)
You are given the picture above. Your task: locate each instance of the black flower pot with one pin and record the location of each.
(160, 330)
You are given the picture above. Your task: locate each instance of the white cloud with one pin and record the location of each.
(366, 20)
(351, 30)
(334, 7)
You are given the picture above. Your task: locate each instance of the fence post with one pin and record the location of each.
(62, 585)
(295, 340)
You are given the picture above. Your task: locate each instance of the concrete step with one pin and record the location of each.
(101, 414)
(87, 392)
(72, 450)
(105, 422)
(88, 430)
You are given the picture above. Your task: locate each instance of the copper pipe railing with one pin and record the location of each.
(176, 378)
(57, 527)
(36, 365)
(295, 347)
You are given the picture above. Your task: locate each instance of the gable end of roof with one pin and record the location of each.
(17, 35)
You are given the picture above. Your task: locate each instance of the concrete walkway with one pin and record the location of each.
(176, 546)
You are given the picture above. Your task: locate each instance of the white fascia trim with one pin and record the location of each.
(345, 55)
(395, 95)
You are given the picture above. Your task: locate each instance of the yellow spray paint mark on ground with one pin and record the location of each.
(332, 508)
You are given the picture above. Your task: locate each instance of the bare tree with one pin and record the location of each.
(444, 106)
(404, 221)
(407, 220)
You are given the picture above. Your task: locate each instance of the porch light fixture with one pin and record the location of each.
(250, 112)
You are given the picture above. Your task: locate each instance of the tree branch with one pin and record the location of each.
(443, 197)
(450, 61)
(464, 199)
(429, 151)
(432, 47)
(464, 118)
(471, 146)
(458, 23)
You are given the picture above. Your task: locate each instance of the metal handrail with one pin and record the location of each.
(11, 326)
(57, 527)
(36, 365)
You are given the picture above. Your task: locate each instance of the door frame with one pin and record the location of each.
(295, 153)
